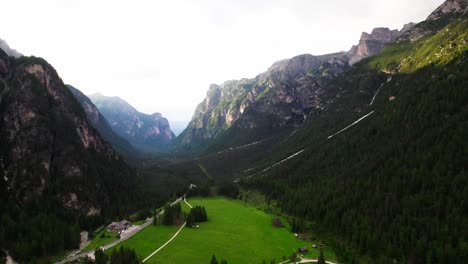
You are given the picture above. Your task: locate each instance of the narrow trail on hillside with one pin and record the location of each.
(278, 163)
(172, 238)
(376, 93)
(353, 124)
(299, 152)
(240, 147)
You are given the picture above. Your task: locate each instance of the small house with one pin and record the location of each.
(118, 227)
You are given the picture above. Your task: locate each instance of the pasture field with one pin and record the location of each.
(235, 231)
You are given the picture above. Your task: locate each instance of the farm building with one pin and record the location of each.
(119, 226)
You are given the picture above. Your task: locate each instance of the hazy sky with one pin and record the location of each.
(161, 56)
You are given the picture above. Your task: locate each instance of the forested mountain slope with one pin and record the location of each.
(55, 168)
(393, 186)
(240, 112)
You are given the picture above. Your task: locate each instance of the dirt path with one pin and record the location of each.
(172, 238)
(185, 200)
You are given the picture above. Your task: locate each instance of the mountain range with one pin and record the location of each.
(368, 146)
(282, 97)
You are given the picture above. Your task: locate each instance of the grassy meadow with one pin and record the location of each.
(236, 232)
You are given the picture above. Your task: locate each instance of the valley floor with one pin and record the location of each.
(235, 231)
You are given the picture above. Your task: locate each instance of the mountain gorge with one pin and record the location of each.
(148, 133)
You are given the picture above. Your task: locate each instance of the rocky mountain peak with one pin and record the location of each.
(449, 7)
(373, 43)
(381, 34)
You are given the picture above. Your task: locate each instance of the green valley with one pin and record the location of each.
(235, 231)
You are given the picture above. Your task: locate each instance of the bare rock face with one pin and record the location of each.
(47, 143)
(449, 7)
(99, 122)
(371, 44)
(148, 133)
(287, 92)
(449, 10)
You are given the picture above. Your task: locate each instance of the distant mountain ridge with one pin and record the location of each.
(148, 133)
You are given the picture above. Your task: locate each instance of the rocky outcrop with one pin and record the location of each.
(456, 7)
(100, 123)
(449, 10)
(47, 144)
(373, 43)
(287, 92)
(149, 133)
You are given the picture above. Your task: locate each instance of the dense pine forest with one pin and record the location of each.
(393, 187)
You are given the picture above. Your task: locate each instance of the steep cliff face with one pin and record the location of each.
(283, 96)
(371, 44)
(149, 133)
(100, 123)
(47, 143)
(450, 7)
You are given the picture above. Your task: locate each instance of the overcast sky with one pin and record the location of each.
(161, 56)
